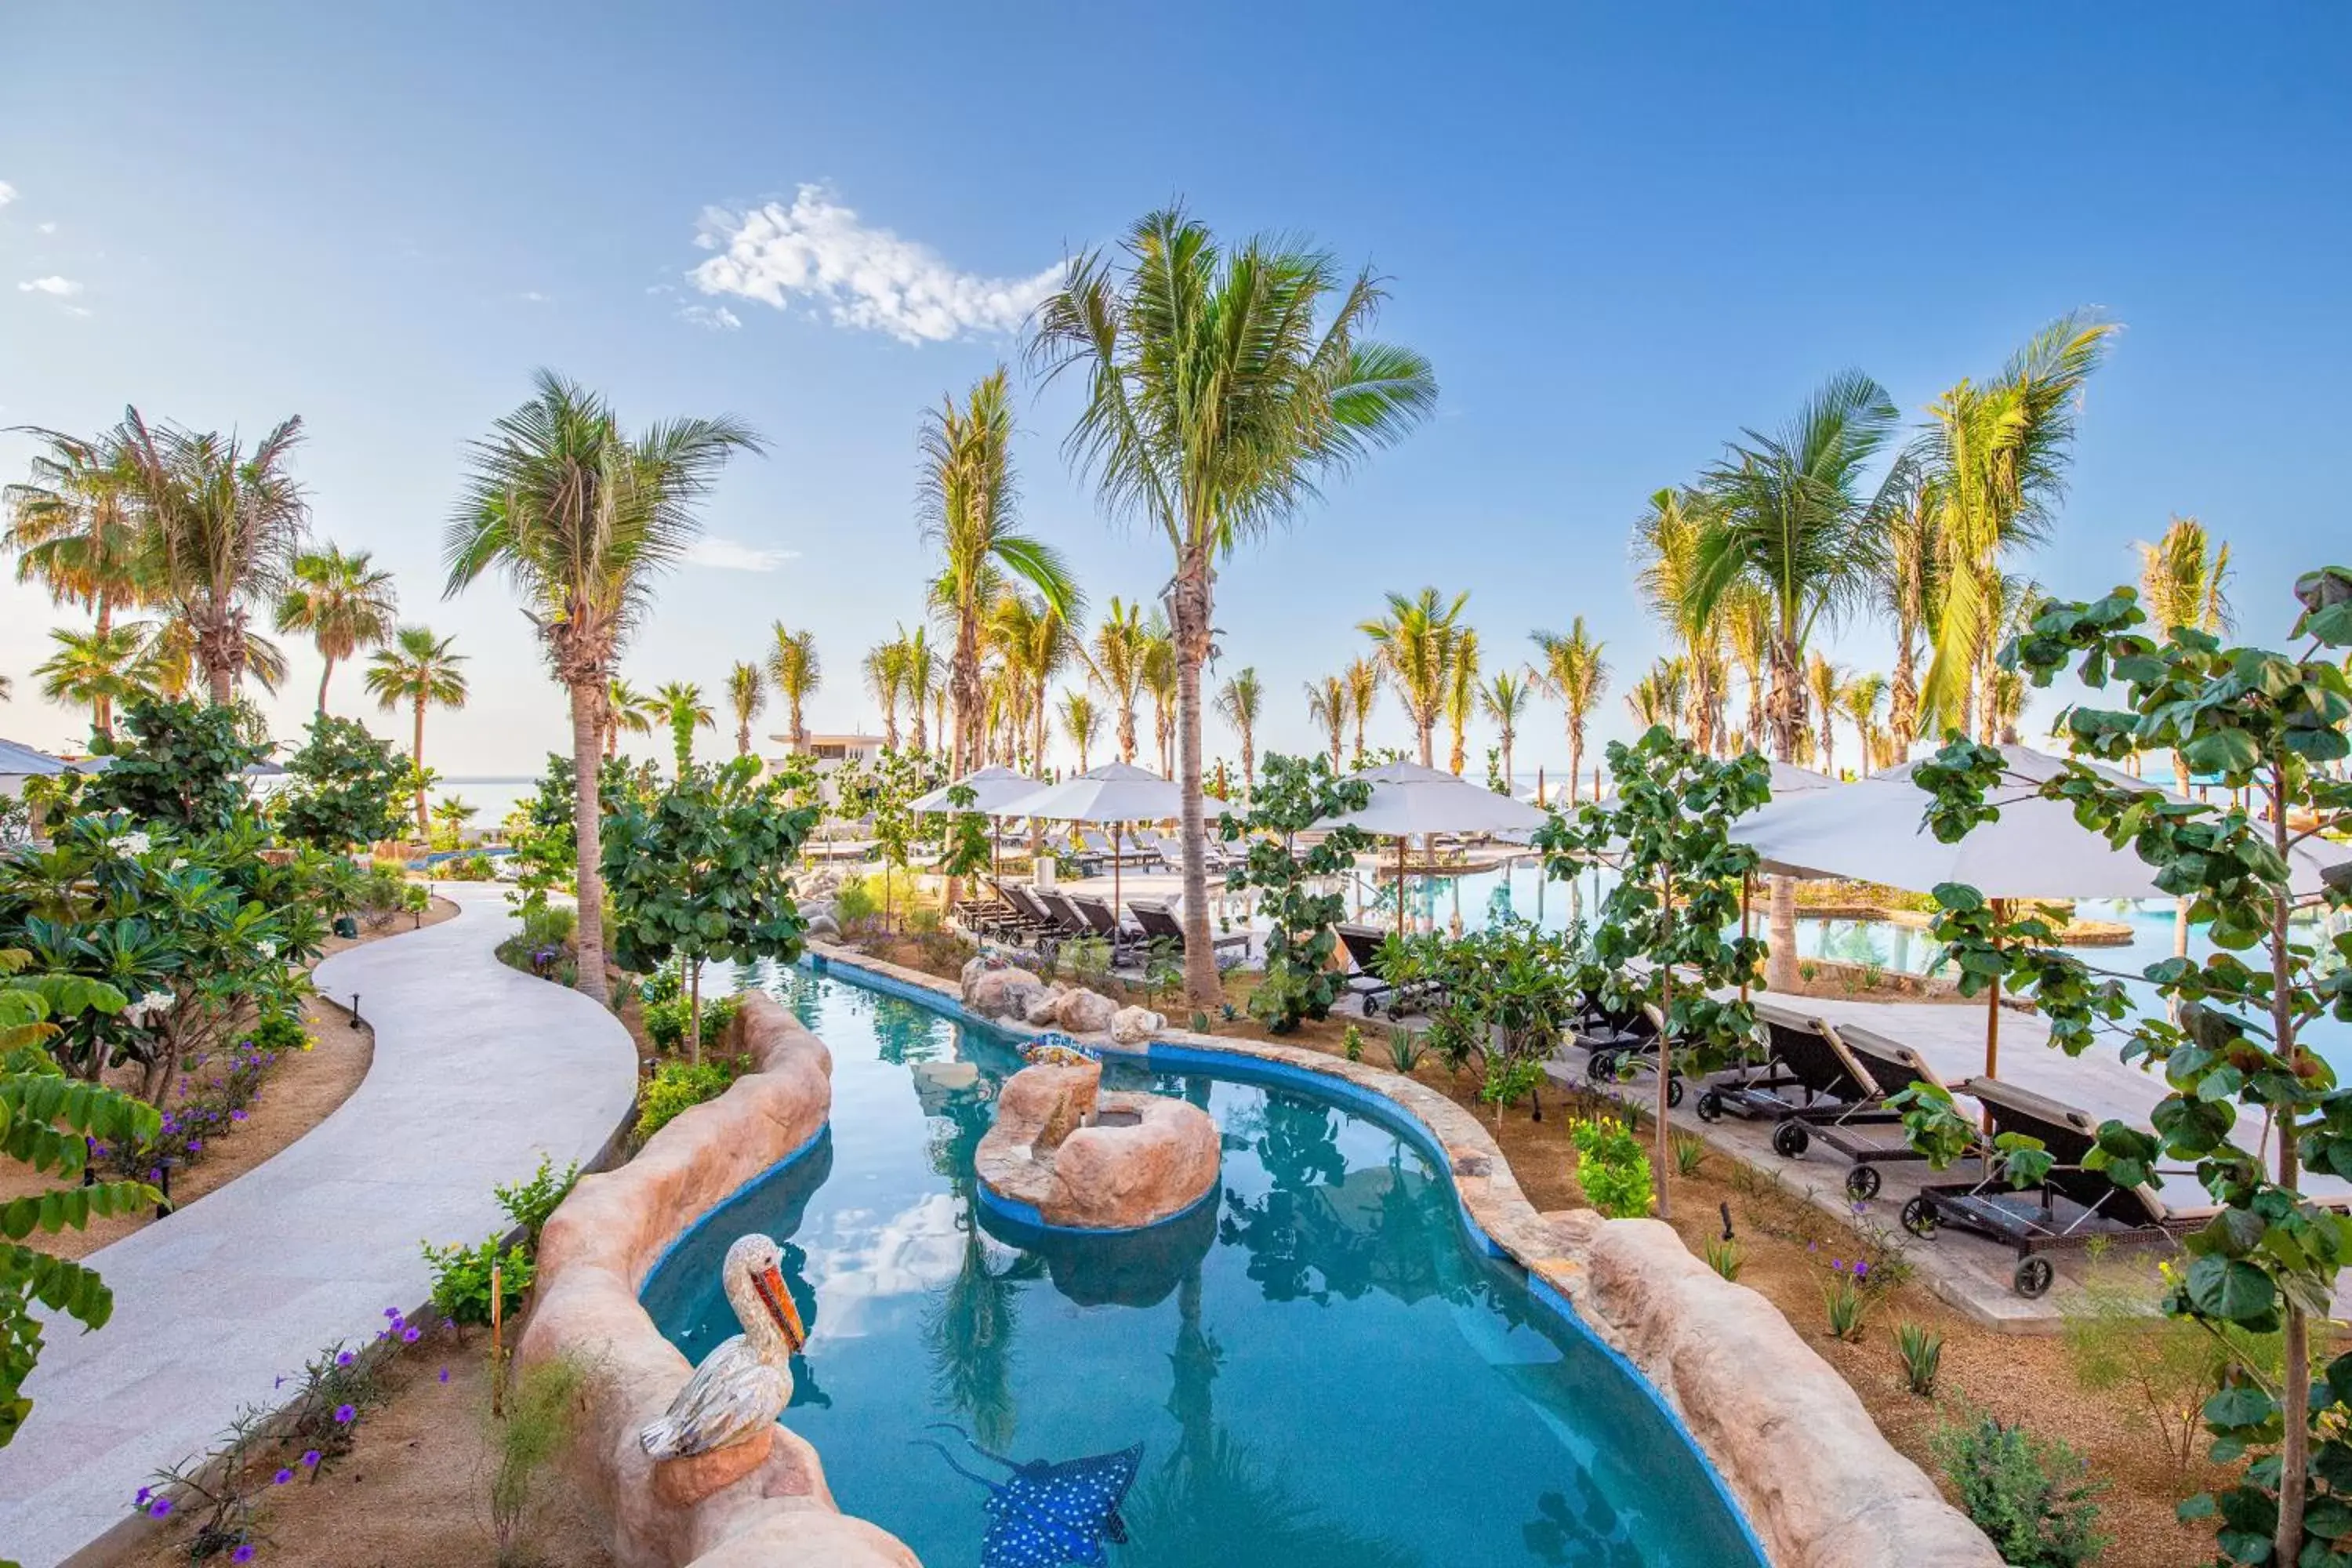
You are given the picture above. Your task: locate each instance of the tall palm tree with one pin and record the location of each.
(1572, 670)
(1160, 681)
(922, 668)
(1116, 660)
(75, 524)
(419, 668)
(1415, 642)
(2184, 579)
(343, 600)
(1081, 723)
(968, 504)
(1504, 700)
(97, 668)
(1823, 681)
(798, 672)
(1327, 708)
(1460, 694)
(1911, 592)
(1214, 402)
(222, 526)
(1036, 644)
(1860, 701)
(747, 694)
(684, 710)
(1666, 552)
(1658, 698)
(885, 667)
(169, 657)
(582, 520)
(1787, 512)
(626, 709)
(1995, 459)
(1240, 701)
(1364, 679)
(1747, 618)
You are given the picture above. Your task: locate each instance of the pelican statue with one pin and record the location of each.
(744, 1385)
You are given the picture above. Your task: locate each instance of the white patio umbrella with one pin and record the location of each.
(1115, 795)
(991, 788)
(1408, 799)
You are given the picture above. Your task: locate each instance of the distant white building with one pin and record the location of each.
(829, 753)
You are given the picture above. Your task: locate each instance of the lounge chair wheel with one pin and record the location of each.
(1673, 1090)
(1919, 1218)
(1790, 1139)
(1710, 1106)
(1600, 1066)
(2032, 1278)
(1862, 1184)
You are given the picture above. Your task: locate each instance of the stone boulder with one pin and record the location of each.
(1002, 993)
(1085, 1012)
(1045, 1008)
(1069, 1155)
(824, 928)
(1136, 1025)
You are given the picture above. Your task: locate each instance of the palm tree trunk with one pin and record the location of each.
(1510, 786)
(1192, 630)
(1575, 761)
(964, 686)
(588, 932)
(1428, 729)
(324, 676)
(743, 739)
(417, 761)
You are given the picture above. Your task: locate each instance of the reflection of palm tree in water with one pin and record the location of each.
(969, 1328)
(903, 1033)
(1582, 1531)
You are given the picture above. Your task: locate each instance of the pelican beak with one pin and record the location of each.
(779, 1302)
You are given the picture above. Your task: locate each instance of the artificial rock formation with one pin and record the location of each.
(593, 1257)
(1086, 1159)
(1136, 1025)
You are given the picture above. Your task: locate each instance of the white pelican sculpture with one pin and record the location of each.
(744, 1385)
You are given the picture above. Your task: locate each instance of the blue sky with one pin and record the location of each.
(1621, 232)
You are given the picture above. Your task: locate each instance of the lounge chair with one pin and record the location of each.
(2070, 1206)
(1101, 922)
(1045, 927)
(1894, 1067)
(1808, 1079)
(1159, 922)
(1067, 921)
(1625, 1048)
(1369, 981)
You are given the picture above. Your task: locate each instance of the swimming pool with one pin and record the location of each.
(1322, 1367)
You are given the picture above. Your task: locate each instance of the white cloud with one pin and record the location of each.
(717, 319)
(533, 297)
(47, 227)
(865, 277)
(7, 193)
(63, 288)
(728, 555)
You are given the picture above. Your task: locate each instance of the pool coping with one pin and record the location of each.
(1811, 1480)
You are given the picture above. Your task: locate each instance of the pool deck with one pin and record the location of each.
(479, 1071)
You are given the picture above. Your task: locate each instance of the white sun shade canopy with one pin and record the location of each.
(1408, 798)
(1115, 792)
(1872, 831)
(991, 788)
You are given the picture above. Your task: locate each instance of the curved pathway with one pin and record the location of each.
(479, 1071)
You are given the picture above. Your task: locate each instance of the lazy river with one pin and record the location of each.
(1321, 1365)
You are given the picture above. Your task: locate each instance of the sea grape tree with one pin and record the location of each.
(1292, 797)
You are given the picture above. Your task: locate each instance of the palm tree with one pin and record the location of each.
(94, 668)
(582, 520)
(1577, 676)
(1745, 615)
(343, 600)
(1239, 702)
(223, 527)
(1159, 680)
(1994, 458)
(885, 677)
(683, 709)
(798, 672)
(1116, 660)
(626, 709)
(2184, 577)
(1364, 679)
(1504, 700)
(1461, 693)
(922, 668)
(1081, 723)
(1035, 643)
(1786, 513)
(1823, 682)
(1327, 708)
(1659, 696)
(418, 669)
(168, 656)
(746, 693)
(968, 504)
(1666, 551)
(1415, 642)
(1911, 592)
(1860, 699)
(75, 524)
(1214, 402)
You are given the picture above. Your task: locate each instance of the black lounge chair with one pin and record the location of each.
(2071, 1207)
(1045, 926)
(1807, 1079)
(1369, 981)
(1619, 1051)
(1101, 922)
(1893, 1067)
(1159, 922)
(1067, 921)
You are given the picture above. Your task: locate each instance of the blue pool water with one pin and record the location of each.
(1323, 1368)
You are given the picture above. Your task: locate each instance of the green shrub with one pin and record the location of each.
(529, 1203)
(678, 1087)
(467, 868)
(1689, 1152)
(2033, 1497)
(1612, 1170)
(549, 925)
(666, 1021)
(1923, 1357)
(1845, 1299)
(1405, 1048)
(1723, 1256)
(461, 1278)
(532, 1426)
(280, 1031)
(1353, 1043)
(856, 903)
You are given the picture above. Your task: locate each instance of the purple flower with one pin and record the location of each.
(311, 1458)
(1860, 1268)
(345, 1414)
(281, 1477)
(155, 1173)
(144, 1493)
(195, 1145)
(160, 1507)
(345, 1359)
(1838, 1263)
(445, 1374)
(244, 1553)
(391, 1312)
(236, 1116)
(410, 1335)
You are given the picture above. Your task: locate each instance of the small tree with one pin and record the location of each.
(1292, 797)
(2267, 723)
(346, 786)
(184, 766)
(1677, 894)
(700, 871)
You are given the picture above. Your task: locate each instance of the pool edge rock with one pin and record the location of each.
(1810, 1470)
(593, 1257)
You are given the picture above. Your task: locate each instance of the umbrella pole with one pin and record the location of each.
(1400, 889)
(1117, 857)
(1747, 886)
(1993, 1010)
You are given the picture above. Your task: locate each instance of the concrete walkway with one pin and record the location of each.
(478, 1070)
